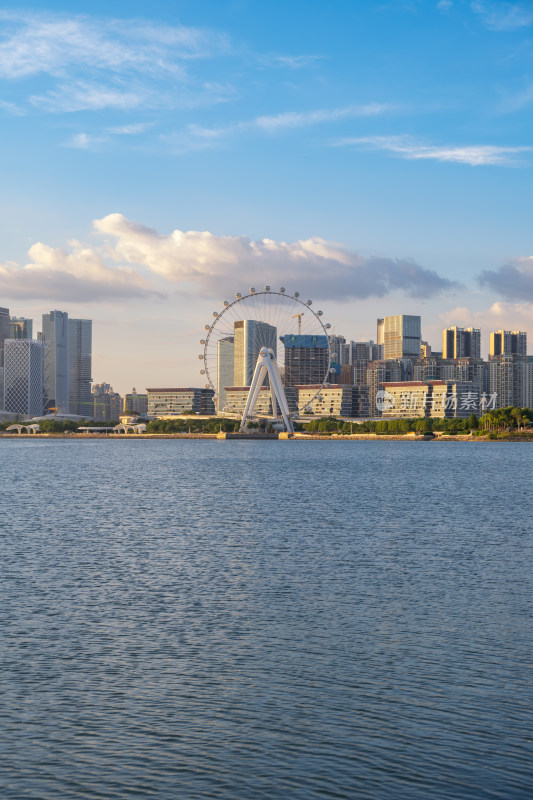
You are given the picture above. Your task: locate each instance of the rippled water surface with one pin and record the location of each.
(242, 620)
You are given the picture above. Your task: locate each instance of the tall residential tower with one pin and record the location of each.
(461, 342)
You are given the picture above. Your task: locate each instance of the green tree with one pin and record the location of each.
(423, 425)
(473, 422)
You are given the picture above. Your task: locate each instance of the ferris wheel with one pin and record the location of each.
(269, 324)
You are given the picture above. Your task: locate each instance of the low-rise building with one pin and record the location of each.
(175, 401)
(444, 399)
(407, 399)
(236, 397)
(336, 400)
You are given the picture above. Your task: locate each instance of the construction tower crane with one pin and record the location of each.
(299, 316)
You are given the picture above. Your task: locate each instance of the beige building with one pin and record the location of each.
(407, 399)
(412, 399)
(236, 397)
(336, 400)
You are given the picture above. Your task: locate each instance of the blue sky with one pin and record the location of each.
(384, 150)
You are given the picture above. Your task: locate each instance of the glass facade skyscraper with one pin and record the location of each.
(80, 366)
(56, 360)
(248, 339)
(4, 331)
(20, 328)
(401, 337)
(225, 367)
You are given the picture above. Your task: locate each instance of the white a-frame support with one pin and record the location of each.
(267, 365)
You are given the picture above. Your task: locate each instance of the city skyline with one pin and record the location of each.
(216, 146)
(81, 331)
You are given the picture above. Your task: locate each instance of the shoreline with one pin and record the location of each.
(361, 437)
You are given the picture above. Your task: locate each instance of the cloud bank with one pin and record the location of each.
(224, 263)
(133, 261)
(78, 274)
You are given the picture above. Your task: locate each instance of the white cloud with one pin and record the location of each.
(500, 16)
(215, 263)
(474, 155)
(134, 129)
(291, 62)
(204, 264)
(298, 119)
(11, 108)
(95, 63)
(68, 98)
(76, 274)
(83, 141)
(55, 44)
(517, 101)
(196, 137)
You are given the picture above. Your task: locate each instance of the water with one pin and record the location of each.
(241, 620)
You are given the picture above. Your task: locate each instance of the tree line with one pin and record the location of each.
(500, 421)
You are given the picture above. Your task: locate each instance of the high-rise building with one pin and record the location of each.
(23, 377)
(401, 337)
(306, 359)
(225, 369)
(20, 328)
(107, 404)
(380, 334)
(4, 332)
(80, 367)
(249, 336)
(365, 351)
(461, 342)
(425, 350)
(507, 343)
(56, 360)
(509, 380)
(135, 403)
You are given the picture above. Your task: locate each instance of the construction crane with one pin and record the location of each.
(299, 316)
